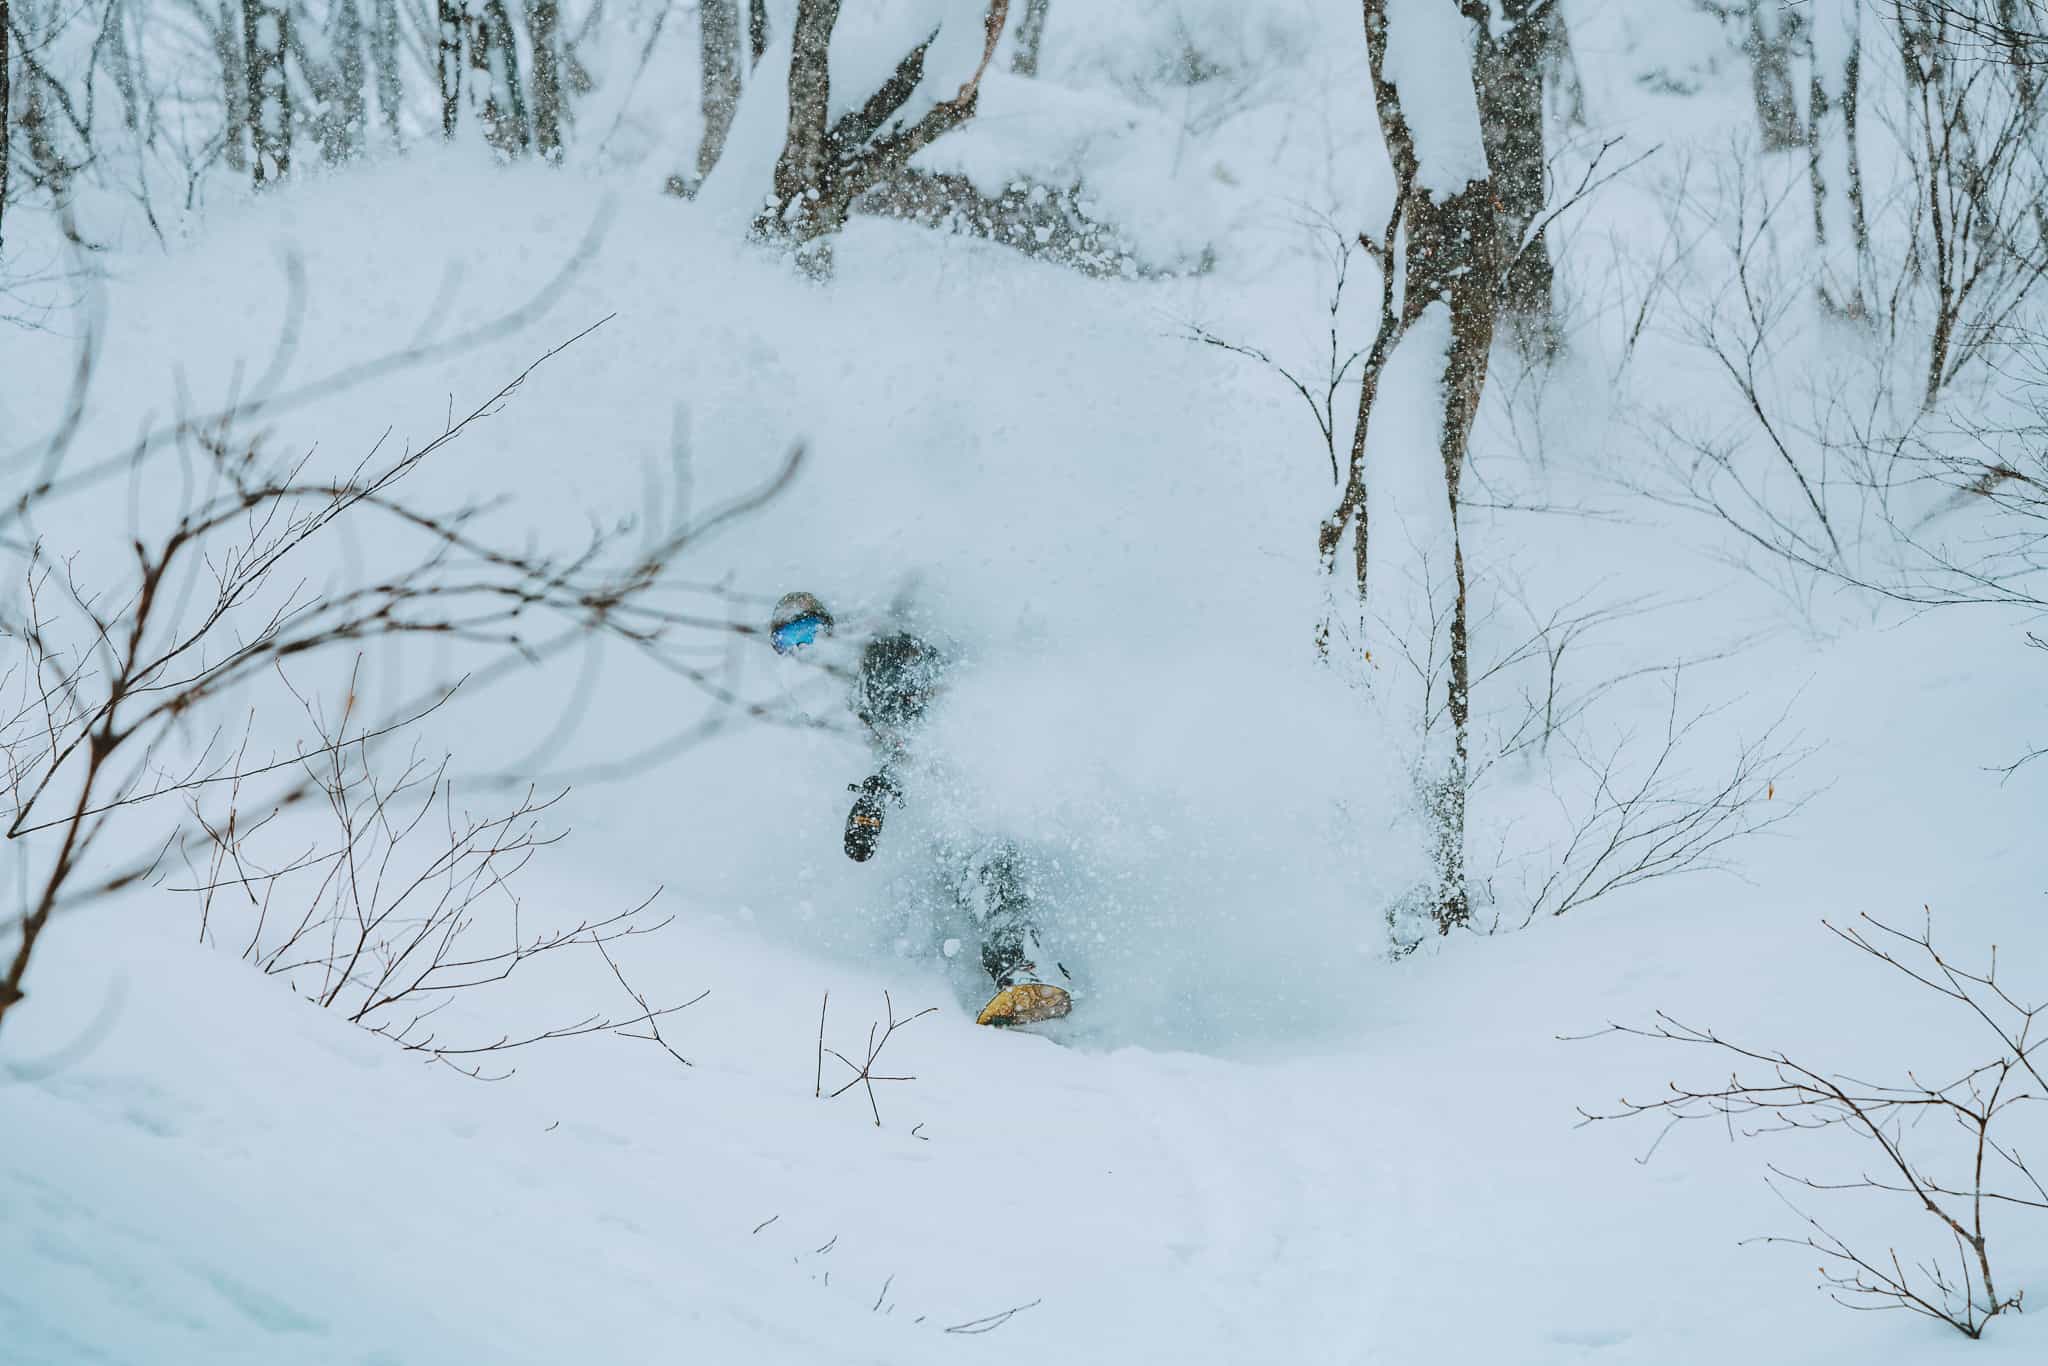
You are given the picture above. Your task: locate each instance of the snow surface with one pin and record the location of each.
(1257, 1139)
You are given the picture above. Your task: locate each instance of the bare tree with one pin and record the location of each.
(229, 51)
(543, 33)
(1514, 44)
(1772, 36)
(266, 42)
(718, 39)
(1449, 272)
(826, 163)
(6, 113)
(1980, 171)
(383, 40)
(451, 28)
(496, 83)
(1030, 36)
(343, 118)
(1946, 1149)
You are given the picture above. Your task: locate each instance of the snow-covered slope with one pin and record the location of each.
(1257, 1139)
(203, 1168)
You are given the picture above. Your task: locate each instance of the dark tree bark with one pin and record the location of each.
(757, 30)
(346, 120)
(543, 30)
(1452, 256)
(825, 165)
(120, 64)
(1514, 42)
(1768, 43)
(719, 44)
(234, 80)
(1852, 90)
(451, 26)
(1030, 35)
(6, 121)
(384, 57)
(266, 39)
(494, 60)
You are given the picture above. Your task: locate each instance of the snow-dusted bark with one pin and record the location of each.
(1514, 46)
(718, 45)
(496, 86)
(1423, 382)
(1773, 37)
(343, 86)
(827, 162)
(451, 26)
(1030, 35)
(543, 34)
(266, 38)
(6, 125)
(383, 39)
(119, 62)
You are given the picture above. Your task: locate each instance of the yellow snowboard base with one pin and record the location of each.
(1025, 1003)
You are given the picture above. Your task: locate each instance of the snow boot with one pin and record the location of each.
(864, 821)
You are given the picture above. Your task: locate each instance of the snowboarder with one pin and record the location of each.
(893, 690)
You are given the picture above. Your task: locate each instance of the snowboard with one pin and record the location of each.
(1026, 1003)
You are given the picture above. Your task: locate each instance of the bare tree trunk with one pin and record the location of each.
(384, 56)
(826, 165)
(120, 65)
(1852, 88)
(494, 58)
(757, 30)
(1768, 44)
(6, 122)
(1817, 107)
(234, 81)
(1030, 34)
(1453, 260)
(800, 172)
(543, 30)
(1513, 55)
(348, 124)
(719, 44)
(266, 37)
(2022, 45)
(452, 23)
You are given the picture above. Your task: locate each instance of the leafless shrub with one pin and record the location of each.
(402, 905)
(864, 1074)
(1974, 140)
(1637, 813)
(1946, 1149)
(118, 697)
(1320, 388)
(1628, 809)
